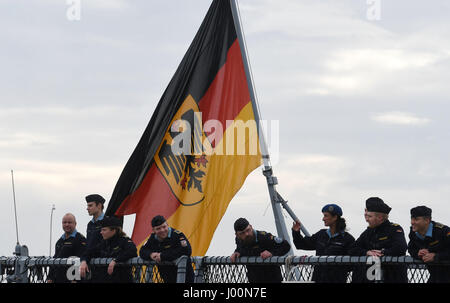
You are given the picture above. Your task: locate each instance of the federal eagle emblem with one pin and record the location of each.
(182, 157)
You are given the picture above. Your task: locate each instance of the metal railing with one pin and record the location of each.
(221, 270)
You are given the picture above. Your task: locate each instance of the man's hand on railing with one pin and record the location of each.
(234, 256)
(374, 253)
(429, 257)
(156, 257)
(266, 254)
(83, 269)
(423, 252)
(111, 267)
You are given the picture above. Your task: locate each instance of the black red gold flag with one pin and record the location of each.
(208, 99)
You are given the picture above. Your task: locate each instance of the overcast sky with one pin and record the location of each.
(361, 96)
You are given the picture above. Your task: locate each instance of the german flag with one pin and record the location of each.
(200, 144)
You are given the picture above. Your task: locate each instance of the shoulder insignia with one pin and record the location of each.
(399, 230)
(278, 240)
(183, 243)
(177, 231)
(394, 224)
(439, 225)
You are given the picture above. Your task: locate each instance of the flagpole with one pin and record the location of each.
(276, 200)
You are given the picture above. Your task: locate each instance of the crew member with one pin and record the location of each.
(167, 244)
(381, 238)
(251, 242)
(95, 205)
(71, 244)
(429, 241)
(116, 245)
(334, 241)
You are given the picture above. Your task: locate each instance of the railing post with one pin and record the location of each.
(181, 264)
(199, 270)
(20, 271)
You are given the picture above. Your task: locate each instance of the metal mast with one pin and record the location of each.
(275, 197)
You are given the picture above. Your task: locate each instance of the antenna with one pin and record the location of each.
(21, 251)
(15, 208)
(51, 221)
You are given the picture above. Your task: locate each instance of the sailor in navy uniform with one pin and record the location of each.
(116, 245)
(167, 244)
(95, 205)
(429, 241)
(381, 238)
(334, 241)
(71, 244)
(253, 243)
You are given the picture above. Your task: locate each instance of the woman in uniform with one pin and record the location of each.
(334, 241)
(115, 245)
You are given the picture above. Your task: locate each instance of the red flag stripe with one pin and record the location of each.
(228, 93)
(153, 197)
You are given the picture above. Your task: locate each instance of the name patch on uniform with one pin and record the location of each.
(167, 246)
(383, 238)
(434, 243)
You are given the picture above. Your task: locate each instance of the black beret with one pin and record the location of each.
(95, 198)
(375, 204)
(158, 220)
(420, 211)
(110, 222)
(240, 224)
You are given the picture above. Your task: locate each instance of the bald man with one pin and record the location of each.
(71, 244)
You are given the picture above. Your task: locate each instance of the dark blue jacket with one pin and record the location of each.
(171, 248)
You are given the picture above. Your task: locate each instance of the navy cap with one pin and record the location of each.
(240, 224)
(333, 209)
(110, 222)
(95, 198)
(420, 211)
(375, 204)
(158, 220)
